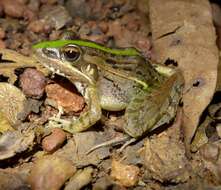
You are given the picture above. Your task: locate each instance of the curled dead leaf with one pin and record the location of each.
(11, 60)
(12, 102)
(187, 35)
(14, 142)
(4, 124)
(11, 181)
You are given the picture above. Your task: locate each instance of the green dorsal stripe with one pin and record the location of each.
(61, 43)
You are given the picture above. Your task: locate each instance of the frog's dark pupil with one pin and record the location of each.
(71, 55)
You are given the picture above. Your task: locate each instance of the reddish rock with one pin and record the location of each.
(55, 34)
(210, 152)
(37, 26)
(13, 8)
(32, 83)
(2, 33)
(29, 15)
(54, 141)
(70, 101)
(1, 10)
(103, 26)
(2, 44)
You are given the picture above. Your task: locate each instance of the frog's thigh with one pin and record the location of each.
(147, 111)
(141, 114)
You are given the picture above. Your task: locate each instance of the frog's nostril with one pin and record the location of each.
(49, 52)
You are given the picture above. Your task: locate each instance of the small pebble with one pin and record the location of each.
(210, 152)
(1, 10)
(32, 83)
(125, 175)
(2, 44)
(54, 141)
(55, 34)
(34, 5)
(36, 26)
(103, 26)
(50, 173)
(13, 8)
(29, 15)
(2, 33)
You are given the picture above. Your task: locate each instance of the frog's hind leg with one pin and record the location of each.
(149, 110)
(140, 115)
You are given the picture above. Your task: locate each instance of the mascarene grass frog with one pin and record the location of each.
(114, 80)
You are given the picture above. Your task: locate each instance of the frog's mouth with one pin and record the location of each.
(62, 68)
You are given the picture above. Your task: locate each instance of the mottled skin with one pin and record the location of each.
(114, 80)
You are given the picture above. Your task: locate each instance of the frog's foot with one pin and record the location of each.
(56, 121)
(60, 112)
(127, 140)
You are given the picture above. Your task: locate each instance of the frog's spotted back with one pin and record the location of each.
(61, 43)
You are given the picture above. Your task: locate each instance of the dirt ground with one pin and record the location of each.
(181, 153)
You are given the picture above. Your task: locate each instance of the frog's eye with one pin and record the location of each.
(71, 53)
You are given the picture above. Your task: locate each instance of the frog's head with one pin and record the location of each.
(66, 58)
(78, 59)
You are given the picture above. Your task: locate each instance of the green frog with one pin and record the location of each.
(114, 80)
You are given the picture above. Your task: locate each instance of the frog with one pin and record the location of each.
(114, 79)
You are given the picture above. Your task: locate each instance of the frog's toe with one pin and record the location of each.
(55, 122)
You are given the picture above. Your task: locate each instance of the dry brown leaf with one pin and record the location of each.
(183, 31)
(77, 149)
(218, 84)
(11, 60)
(11, 181)
(164, 155)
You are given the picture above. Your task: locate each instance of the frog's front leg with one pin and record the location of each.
(86, 119)
(149, 110)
